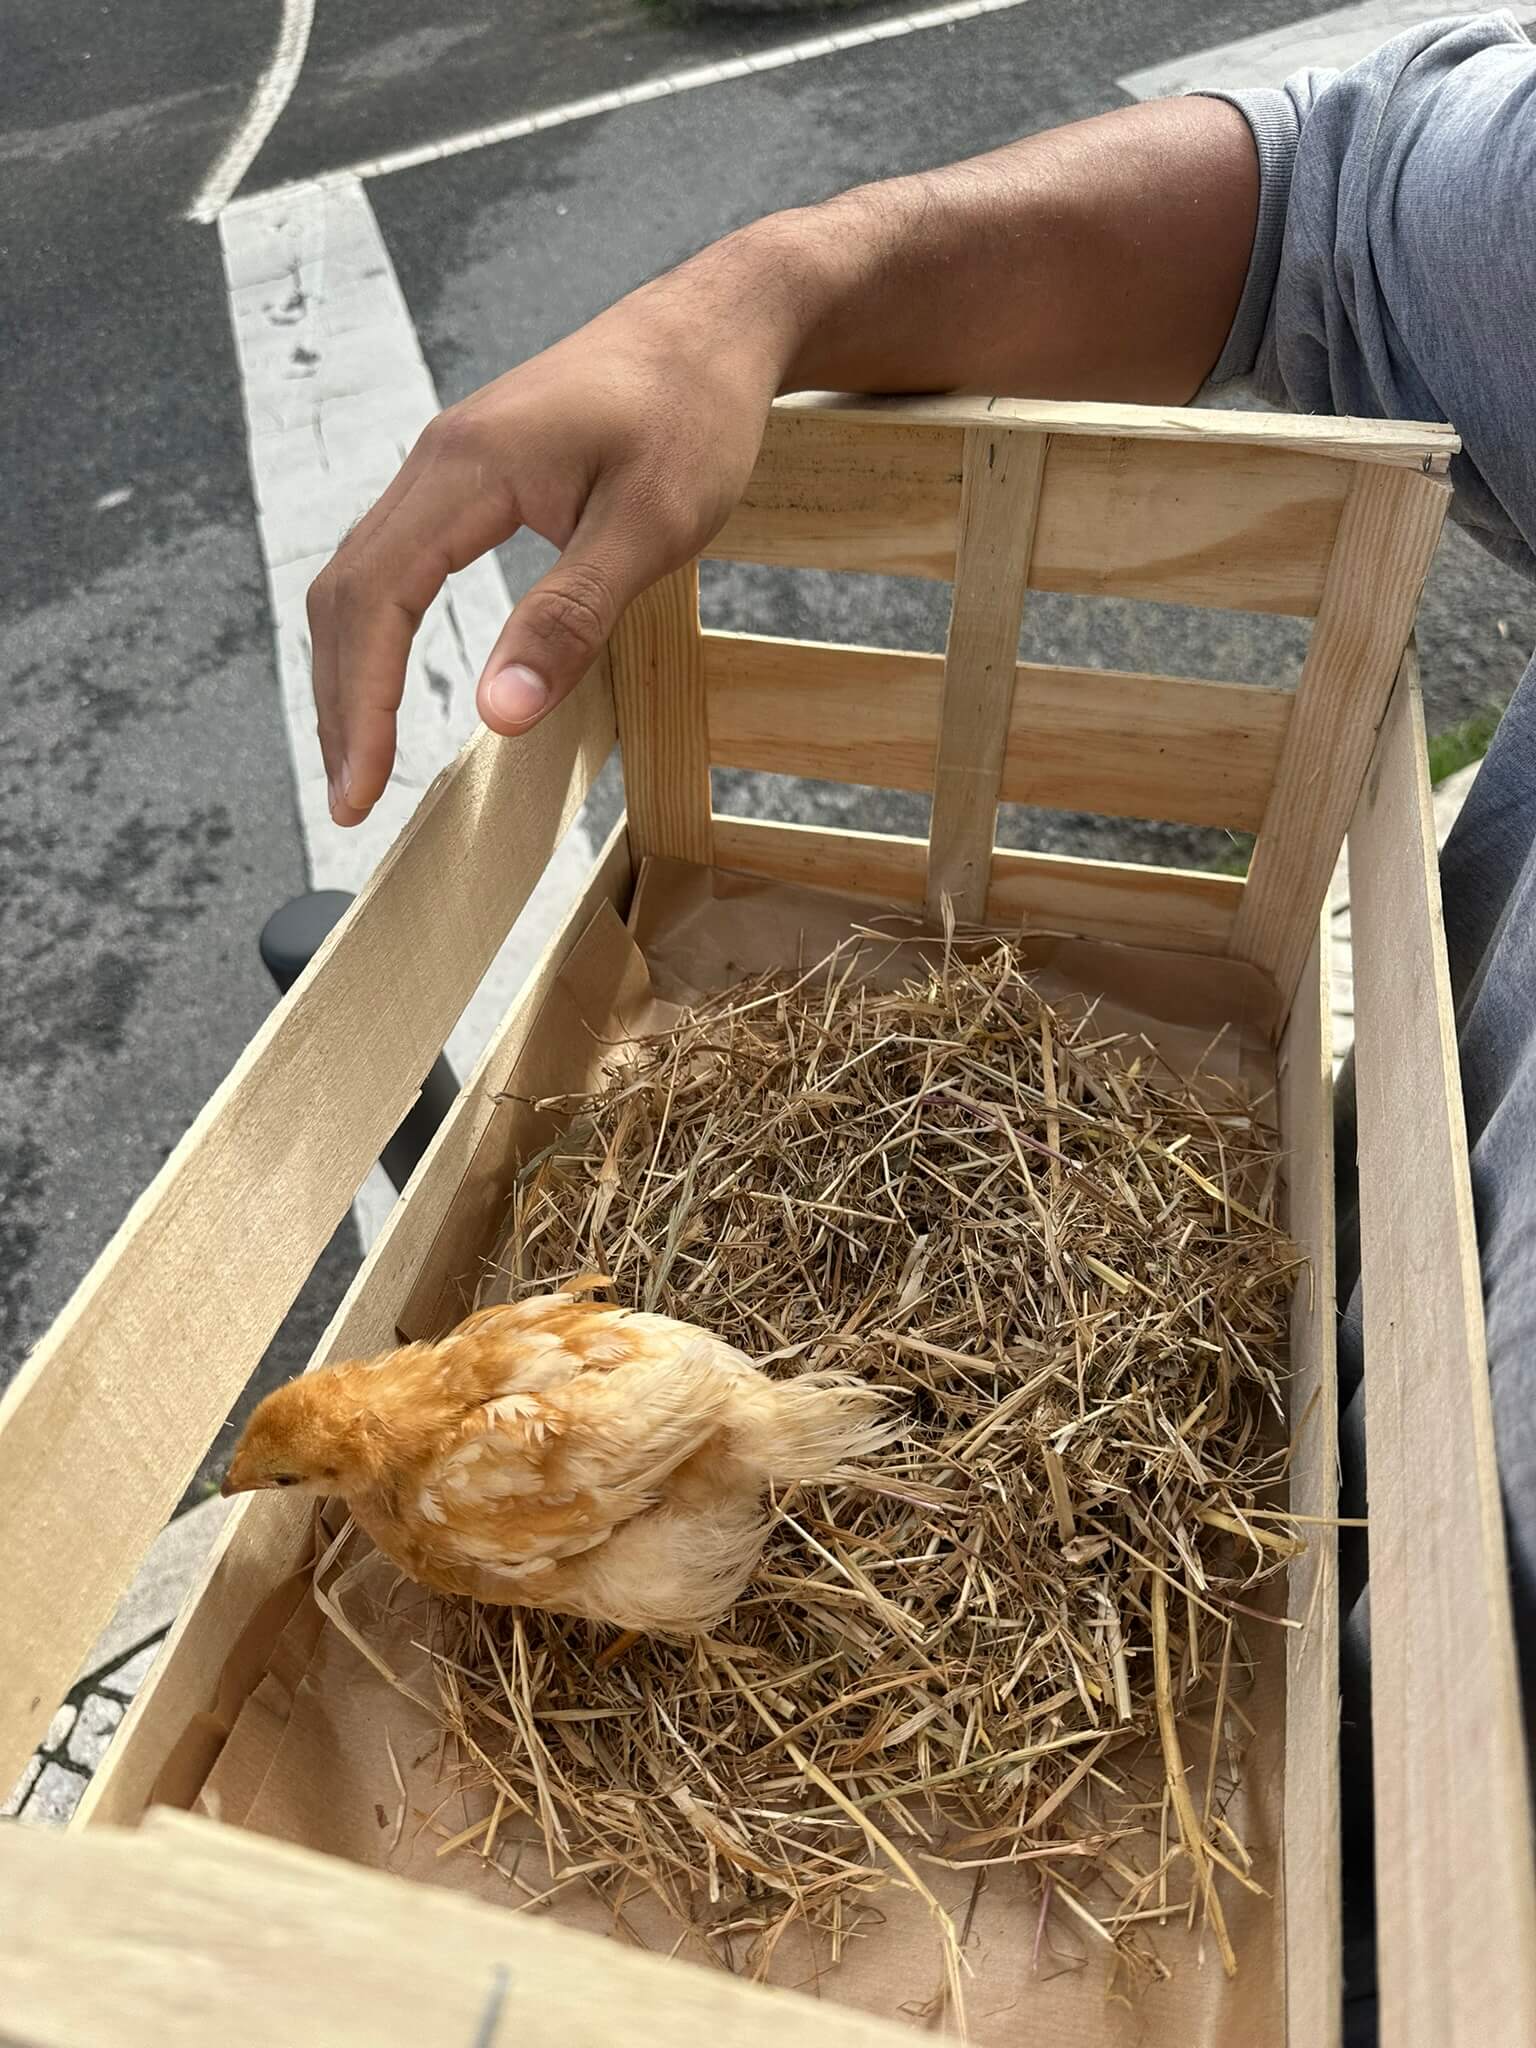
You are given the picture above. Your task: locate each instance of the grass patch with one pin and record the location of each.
(1235, 860)
(1460, 745)
(1455, 748)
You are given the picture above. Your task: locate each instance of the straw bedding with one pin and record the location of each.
(1023, 1634)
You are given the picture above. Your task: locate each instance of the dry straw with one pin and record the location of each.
(1023, 1634)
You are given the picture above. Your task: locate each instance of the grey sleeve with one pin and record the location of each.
(1394, 268)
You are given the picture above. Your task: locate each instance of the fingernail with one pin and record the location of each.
(516, 694)
(340, 788)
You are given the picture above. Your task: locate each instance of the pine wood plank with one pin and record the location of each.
(1240, 524)
(267, 1536)
(185, 1931)
(1311, 1893)
(1455, 1887)
(999, 498)
(1200, 523)
(849, 493)
(1424, 446)
(1386, 541)
(656, 661)
(105, 1423)
(1170, 907)
(1126, 745)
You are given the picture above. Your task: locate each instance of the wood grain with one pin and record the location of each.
(999, 498)
(267, 1536)
(656, 662)
(1126, 745)
(1197, 522)
(1386, 542)
(1242, 524)
(1425, 447)
(854, 493)
(1171, 907)
(104, 1425)
(184, 1932)
(1455, 1886)
(1311, 1894)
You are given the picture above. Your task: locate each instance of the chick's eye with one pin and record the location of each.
(285, 1479)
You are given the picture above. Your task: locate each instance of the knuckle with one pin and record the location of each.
(451, 436)
(320, 598)
(575, 613)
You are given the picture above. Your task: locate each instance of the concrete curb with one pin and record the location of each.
(152, 1602)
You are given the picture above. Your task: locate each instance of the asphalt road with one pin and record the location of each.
(147, 818)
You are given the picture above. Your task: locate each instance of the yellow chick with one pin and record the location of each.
(562, 1454)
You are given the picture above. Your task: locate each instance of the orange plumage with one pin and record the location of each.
(562, 1454)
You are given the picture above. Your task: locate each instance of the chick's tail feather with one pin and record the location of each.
(820, 1421)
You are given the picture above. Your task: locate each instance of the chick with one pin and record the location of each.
(562, 1454)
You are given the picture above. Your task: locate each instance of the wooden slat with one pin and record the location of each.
(1082, 739)
(1201, 522)
(187, 1932)
(842, 714)
(1423, 446)
(656, 660)
(999, 497)
(849, 494)
(104, 1425)
(1386, 542)
(1311, 1895)
(267, 1536)
(1170, 907)
(1455, 1888)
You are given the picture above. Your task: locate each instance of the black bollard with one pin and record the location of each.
(290, 939)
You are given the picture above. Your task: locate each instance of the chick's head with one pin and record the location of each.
(301, 1435)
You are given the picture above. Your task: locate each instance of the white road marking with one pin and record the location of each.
(336, 391)
(691, 80)
(267, 102)
(1319, 41)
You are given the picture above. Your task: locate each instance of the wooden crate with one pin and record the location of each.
(123, 1937)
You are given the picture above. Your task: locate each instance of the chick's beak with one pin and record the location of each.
(229, 1485)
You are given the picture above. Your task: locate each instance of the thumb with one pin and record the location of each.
(558, 630)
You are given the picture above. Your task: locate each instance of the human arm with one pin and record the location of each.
(1102, 260)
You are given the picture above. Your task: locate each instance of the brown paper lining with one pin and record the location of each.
(313, 1754)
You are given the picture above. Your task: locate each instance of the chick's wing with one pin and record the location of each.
(598, 1409)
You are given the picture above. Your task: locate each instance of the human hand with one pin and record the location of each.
(625, 445)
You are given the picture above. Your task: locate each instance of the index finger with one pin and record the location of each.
(367, 603)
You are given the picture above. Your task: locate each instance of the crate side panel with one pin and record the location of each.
(1386, 542)
(105, 1423)
(1311, 1893)
(1455, 1886)
(1080, 739)
(268, 1536)
(1172, 908)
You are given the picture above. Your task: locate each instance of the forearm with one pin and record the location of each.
(1104, 260)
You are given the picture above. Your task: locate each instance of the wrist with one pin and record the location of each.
(753, 299)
